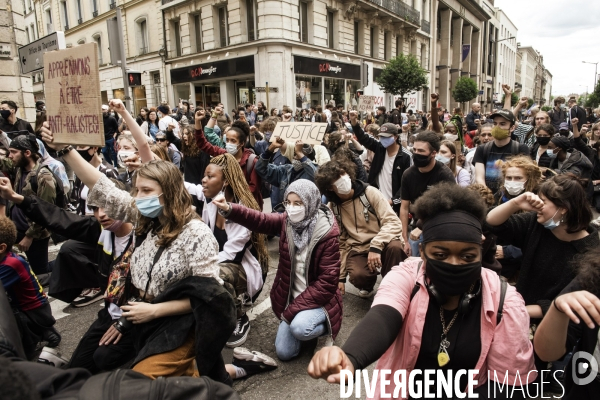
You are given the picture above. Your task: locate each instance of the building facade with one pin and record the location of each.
(506, 59)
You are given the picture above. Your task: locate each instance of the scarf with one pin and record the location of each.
(311, 198)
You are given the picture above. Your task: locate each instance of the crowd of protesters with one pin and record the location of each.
(479, 229)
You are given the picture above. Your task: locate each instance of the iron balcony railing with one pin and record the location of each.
(395, 7)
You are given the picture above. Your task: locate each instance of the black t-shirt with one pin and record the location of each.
(415, 183)
(221, 237)
(464, 337)
(493, 175)
(194, 167)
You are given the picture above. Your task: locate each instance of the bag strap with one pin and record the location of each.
(503, 287)
(417, 286)
(156, 257)
(250, 165)
(487, 150)
(514, 149)
(367, 207)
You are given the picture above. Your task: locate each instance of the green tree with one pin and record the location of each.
(403, 75)
(593, 99)
(514, 99)
(464, 90)
(546, 108)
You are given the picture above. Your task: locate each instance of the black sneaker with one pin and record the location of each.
(52, 336)
(252, 362)
(240, 334)
(87, 297)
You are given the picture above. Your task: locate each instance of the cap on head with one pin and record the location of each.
(104, 107)
(388, 130)
(506, 114)
(24, 143)
(563, 126)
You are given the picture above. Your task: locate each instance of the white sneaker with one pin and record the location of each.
(596, 223)
(51, 357)
(323, 341)
(88, 296)
(364, 294)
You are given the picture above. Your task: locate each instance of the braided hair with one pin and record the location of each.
(233, 174)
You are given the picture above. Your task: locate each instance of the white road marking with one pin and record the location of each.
(259, 309)
(57, 307)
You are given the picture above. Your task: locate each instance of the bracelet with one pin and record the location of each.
(555, 306)
(64, 151)
(214, 115)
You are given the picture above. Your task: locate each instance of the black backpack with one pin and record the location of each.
(128, 384)
(61, 198)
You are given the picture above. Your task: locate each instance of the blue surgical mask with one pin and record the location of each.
(442, 159)
(550, 153)
(268, 136)
(551, 224)
(231, 148)
(387, 141)
(149, 206)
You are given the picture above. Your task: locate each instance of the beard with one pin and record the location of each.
(21, 162)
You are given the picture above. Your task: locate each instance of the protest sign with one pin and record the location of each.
(73, 99)
(366, 103)
(308, 132)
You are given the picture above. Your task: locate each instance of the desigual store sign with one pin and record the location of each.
(314, 66)
(218, 69)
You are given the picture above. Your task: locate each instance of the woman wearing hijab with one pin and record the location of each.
(305, 295)
(441, 312)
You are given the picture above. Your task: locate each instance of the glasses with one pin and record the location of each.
(161, 140)
(295, 204)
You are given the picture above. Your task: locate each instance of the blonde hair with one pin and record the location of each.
(126, 135)
(177, 210)
(533, 173)
(160, 151)
(233, 174)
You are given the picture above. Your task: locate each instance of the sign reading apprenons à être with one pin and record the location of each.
(73, 105)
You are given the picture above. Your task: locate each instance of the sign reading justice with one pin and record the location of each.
(308, 132)
(72, 89)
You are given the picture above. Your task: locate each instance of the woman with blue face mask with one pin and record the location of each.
(305, 296)
(447, 156)
(552, 228)
(174, 267)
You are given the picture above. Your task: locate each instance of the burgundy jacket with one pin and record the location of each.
(254, 181)
(323, 270)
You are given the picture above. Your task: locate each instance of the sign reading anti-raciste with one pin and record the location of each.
(72, 87)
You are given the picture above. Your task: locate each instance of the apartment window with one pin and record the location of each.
(34, 36)
(175, 39)
(65, 14)
(355, 37)
(142, 36)
(374, 42)
(79, 12)
(399, 45)
(49, 26)
(304, 22)
(424, 56)
(439, 26)
(223, 26)
(330, 29)
(387, 46)
(112, 4)
(251, 19)
(95, 8)
(157, 91)
(98, 41)
(198, 32)
(27, 33)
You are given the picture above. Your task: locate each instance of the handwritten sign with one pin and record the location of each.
(308, 132)
(73, 99)
(366, 103)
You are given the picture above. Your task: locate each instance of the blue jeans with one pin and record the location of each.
(108, 151)
(307, 325)
(414, 246)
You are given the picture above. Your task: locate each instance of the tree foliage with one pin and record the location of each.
(403, 75)
(464, 90)
(546, 108)
(593, 100)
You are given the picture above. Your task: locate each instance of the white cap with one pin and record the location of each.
(104, 107)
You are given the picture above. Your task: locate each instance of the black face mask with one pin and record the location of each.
(564, 133)
(5, 114)
(421, 160)
(85, 154)
(543, 140)
(450, 279)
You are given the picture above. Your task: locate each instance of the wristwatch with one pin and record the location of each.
(64, 151)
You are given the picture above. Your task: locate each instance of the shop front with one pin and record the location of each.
(321, 82)
(230, 82)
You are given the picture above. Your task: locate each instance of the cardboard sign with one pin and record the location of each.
(308, 132)
(366, 103)
(73, 99)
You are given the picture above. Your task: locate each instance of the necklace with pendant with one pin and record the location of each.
(443, 357)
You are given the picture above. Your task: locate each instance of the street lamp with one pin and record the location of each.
(595, 73)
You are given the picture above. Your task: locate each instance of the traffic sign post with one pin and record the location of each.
(31, 56)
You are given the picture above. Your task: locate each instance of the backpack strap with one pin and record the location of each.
(514, 149)
(337, 213)
(487, 150)
(417, 286)
(367, 207)
(250, 165)
(503, 287)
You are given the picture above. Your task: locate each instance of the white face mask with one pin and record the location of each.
(231, 148)
(514, 188)
(122, 155)
(159, 114)
(295, 213)
(343, 185)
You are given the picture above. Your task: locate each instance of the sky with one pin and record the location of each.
(565, 33)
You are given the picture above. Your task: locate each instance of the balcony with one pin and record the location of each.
(398, 8)
(80, 21)
(66, 27)
(425, 26)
